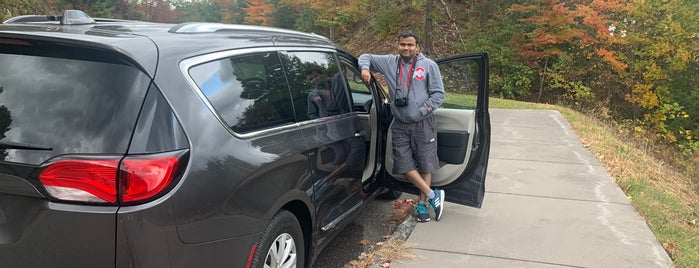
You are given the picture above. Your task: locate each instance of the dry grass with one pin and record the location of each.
(664, 194)
(627, 158)
(381, 254)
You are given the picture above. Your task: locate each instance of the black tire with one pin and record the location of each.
(390, 195)
(284, 226)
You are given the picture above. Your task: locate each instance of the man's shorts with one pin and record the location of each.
(415, 146)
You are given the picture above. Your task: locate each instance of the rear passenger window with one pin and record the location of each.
(249, 92)
(318, 88)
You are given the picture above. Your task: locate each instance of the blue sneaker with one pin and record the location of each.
(438, 203)
(422, 214)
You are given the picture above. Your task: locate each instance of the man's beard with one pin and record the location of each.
(407, 55)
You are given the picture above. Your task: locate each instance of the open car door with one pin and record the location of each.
(463, 132)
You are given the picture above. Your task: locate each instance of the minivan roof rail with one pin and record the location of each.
(212, 27)
(70, 17)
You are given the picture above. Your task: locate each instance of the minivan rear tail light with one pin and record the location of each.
(109, 180)
(144, 178)
(86, 180)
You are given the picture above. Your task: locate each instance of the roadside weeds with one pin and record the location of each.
(394, 248)
(663, 195)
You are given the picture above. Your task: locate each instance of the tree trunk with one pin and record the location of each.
(541, 79)
(427, 48)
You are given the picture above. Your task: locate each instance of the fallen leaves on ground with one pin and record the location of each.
(403, 208)
(382, 252)
(670, 249)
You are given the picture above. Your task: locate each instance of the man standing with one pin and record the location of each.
(416, 90)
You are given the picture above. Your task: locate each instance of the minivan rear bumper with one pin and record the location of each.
(37, 233)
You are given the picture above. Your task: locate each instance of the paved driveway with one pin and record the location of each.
(549, 203)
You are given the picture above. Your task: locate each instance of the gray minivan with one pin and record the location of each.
(136, 144)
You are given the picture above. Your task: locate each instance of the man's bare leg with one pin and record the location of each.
(421, 181)
(428, 180)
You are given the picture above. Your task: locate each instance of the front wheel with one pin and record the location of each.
(281, 244)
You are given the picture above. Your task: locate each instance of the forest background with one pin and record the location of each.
(634, 63)
(631, 64)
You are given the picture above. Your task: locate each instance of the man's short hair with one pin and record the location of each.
(407, 34)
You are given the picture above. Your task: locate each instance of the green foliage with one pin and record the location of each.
(509, 78)
(205, 11)
(389, 20)
(95, 8)
(664, 58)
(12, 8)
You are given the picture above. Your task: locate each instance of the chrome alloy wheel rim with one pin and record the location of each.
(282, 253)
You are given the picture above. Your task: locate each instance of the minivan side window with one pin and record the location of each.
(317, 86)
(248, 91)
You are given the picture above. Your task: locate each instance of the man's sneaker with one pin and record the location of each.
(438, 203)
(422, 214)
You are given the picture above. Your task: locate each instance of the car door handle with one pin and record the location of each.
(360, 133)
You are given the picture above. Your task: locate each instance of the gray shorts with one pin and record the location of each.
(415, 146)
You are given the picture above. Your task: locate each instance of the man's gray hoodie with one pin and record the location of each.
(426, 91)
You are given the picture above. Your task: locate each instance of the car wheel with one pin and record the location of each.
(281, 244)
(390, 195)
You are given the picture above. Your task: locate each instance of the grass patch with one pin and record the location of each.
(661, 194)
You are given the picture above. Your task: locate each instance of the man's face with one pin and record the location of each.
(407, 47)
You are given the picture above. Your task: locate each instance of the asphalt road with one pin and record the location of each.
(373, 224)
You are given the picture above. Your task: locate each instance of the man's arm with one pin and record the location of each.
(377, 63)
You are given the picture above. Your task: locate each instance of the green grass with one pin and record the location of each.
(661, 195)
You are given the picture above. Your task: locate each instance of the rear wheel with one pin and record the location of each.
(281, 244)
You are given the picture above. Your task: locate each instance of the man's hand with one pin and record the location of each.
(366, 75)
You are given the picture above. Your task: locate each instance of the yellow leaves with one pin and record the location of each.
(643, 95)
(654, 73)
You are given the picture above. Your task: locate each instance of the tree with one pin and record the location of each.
(156, 10)
(231, 10)
(5, 123)
(257, 12)
(206, 10)
(663, 46)
(94, 8)
(427, 46)
(12, 8)
(548, 38)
